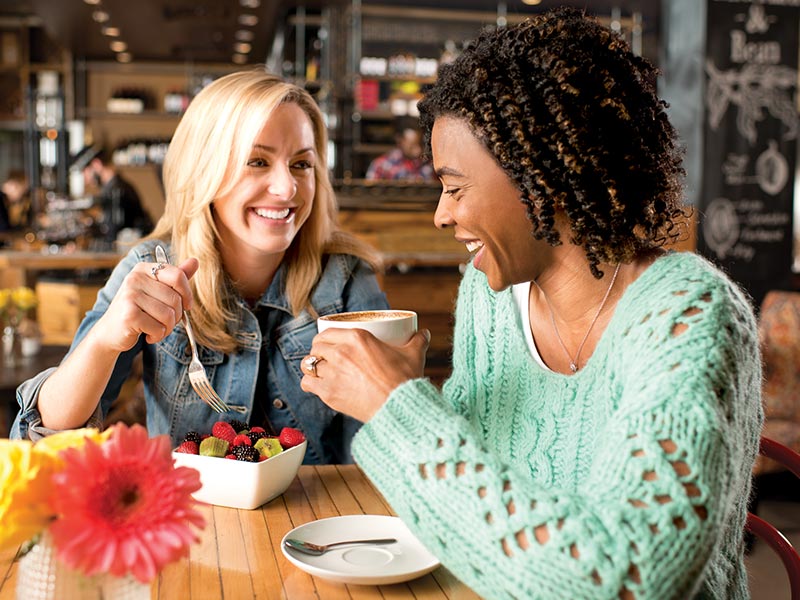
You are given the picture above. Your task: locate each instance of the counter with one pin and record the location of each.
(19, 268)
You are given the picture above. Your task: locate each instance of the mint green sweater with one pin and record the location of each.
(632, 474)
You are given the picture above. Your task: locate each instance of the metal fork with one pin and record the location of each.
(197, 373)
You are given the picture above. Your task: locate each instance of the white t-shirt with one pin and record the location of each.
(521, 292)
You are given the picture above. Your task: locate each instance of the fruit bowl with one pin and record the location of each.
(239, 484)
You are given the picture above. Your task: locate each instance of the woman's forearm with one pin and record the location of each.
(70, 395)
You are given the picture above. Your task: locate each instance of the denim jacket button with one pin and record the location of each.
(278, 403)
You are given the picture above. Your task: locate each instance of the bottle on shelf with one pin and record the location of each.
(176, 101)
(129, 100)
(140, 152)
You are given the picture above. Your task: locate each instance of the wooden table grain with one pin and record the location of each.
(239, 554)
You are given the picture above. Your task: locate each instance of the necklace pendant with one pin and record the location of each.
(573, 367)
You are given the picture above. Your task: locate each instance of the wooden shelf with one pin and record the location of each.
(376, 115)
(11, 124)
(39, 67)
(372, 148)
(93, 113)
(400, 78)
(104, 78)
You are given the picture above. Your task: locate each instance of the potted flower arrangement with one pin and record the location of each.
(95, 511)
(15, 303)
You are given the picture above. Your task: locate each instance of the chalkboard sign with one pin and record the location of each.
(750, 148)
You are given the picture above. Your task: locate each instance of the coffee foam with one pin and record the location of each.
(368, 315)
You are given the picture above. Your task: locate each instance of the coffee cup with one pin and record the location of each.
(391, 326)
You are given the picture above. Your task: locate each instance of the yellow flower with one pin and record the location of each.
(23, 298)
(24, 510)
(25, 481)
(52, 445)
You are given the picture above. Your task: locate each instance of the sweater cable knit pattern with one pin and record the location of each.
(629, 479)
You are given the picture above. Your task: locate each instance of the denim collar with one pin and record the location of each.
(328, 290)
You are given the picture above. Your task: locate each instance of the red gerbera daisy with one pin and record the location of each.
(123, 507)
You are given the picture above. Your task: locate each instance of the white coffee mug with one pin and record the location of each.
(392, 326)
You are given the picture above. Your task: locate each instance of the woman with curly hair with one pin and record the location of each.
(250, 220)
(597, 434)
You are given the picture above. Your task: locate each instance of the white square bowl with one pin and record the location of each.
(239, 484)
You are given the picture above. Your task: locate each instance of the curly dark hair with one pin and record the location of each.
(572, 116)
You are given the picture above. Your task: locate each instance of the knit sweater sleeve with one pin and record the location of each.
(669, 468)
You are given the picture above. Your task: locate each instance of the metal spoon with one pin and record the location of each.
(317, 549)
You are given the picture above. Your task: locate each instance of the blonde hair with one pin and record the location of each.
(205, 160)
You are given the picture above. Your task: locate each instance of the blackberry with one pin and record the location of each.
(238, 426)
(236, 451)
(245, 453)
(192, 436)
(256, 435)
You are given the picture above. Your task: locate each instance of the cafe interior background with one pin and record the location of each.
(115, 74)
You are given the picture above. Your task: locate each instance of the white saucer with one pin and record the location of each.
(370, 565)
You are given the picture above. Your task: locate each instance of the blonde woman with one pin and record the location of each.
(250, 224)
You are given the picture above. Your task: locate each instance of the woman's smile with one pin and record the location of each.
(482, 205)
(281, 215)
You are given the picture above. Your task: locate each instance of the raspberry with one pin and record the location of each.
(192, 436)
(188, 447)
(238, 426)
(242, 440)
(230, 457)
(290, 437)
(257, 430)
(223, 431)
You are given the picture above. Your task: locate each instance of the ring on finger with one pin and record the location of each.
(154, 271)
(309, 364)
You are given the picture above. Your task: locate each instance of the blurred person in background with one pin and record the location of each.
(16, 201)
(405, 161)
(119, 205)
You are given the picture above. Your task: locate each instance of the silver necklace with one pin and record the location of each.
(573, 362)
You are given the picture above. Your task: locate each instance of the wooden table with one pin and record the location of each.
(239, 556)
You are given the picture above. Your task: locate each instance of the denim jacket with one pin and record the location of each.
(173, 408)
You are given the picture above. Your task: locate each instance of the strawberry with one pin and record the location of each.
(188, 447)
(223, 431)
(257, 430)
(290, 437)
(242, 439)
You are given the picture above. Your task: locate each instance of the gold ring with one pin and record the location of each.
(309, 364)
(154, 271)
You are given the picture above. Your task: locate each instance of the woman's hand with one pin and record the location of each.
(146, 303)
(357, 372)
